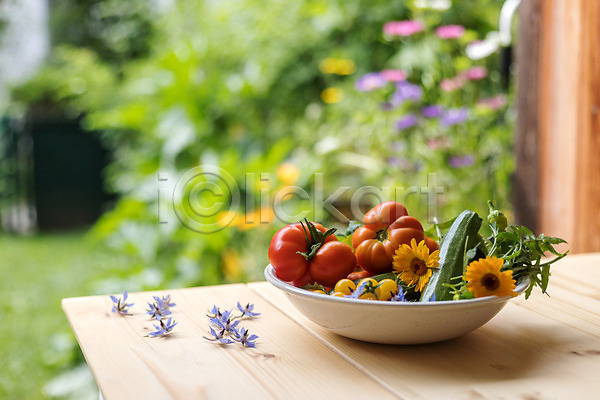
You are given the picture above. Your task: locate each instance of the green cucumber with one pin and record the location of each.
(465, 227)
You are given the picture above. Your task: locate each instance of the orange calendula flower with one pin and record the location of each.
(485, 278)
(415, 264)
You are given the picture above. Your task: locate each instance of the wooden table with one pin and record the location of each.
(542, 348)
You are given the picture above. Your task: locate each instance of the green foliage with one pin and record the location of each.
(240, 85)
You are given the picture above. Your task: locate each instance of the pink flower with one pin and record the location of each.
(475, 73)
(450, 31)
(493, 103)
(452, 84)
(403, 28)
(393, 75)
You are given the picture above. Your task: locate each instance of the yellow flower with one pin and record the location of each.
(288, 173)
(332, 95)
(337, 66)
(415, 264)
(485, 278)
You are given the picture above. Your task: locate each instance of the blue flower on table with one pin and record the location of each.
(166, 301)
(247, 310)
(218, 336)
(246, 339)
(120, 305)
(163, 328)
(225, 322)
(158, 309)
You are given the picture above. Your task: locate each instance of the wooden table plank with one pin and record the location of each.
(518, 354)
(288, 362)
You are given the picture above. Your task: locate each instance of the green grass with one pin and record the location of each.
(35, 274)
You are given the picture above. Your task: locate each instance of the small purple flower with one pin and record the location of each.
(247, 310)
(431, 111)
(246, 339)
(450, 31)
(400, 296)
(393, 75)
(475, 73)
(370, 81)
(120, 305)
(403, 28)
(158, 309)
(406, 91)
(406, 122)
(166, 301)
(218, 337)
(225, 322)
(398, 162)
(163, 328)
(461, 162)
(454, 116)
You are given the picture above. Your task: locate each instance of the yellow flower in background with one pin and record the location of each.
(338, 66)
(415, 264)
(263, 216)
(485, 278)
(288, 173)
(231, 265)
(332, 95)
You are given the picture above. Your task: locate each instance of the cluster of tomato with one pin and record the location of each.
(306, 252)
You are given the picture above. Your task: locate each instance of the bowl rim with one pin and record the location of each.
(286, 287)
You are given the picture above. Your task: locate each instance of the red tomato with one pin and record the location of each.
(383, 214)
(333, 261)
(288, 264)
(375, 249)
(432, 244)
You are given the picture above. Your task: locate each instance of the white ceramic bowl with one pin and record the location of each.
(392, 322)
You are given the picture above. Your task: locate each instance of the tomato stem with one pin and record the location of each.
(314, 239)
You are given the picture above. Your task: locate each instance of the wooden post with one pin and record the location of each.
(557, 182)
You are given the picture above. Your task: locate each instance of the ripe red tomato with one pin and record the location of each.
(288, 264)
(375, 248)
(333, 260)
(383, 214)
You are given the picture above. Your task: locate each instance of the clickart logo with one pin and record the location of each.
(207, 199)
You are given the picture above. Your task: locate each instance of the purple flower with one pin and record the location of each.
(400, 296)
(158, 309)
(247, 310)
(393, 75)
(398, 162)
(163, 328)
(406, 91)
(370, 81)
(120, 305)
(406, 122)
(450, 31)
(475, 73)
(454, 116)
(432, 111)
(403, 28)
(246, 339)
(225, 322)
(461, 162)
(218, 336)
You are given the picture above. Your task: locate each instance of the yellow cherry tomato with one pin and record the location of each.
(317, 291)
(337, 294)
(368, 296)
(386, 289)
(373, 281)
(345, 286)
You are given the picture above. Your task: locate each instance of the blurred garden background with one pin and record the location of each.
(106, 104)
